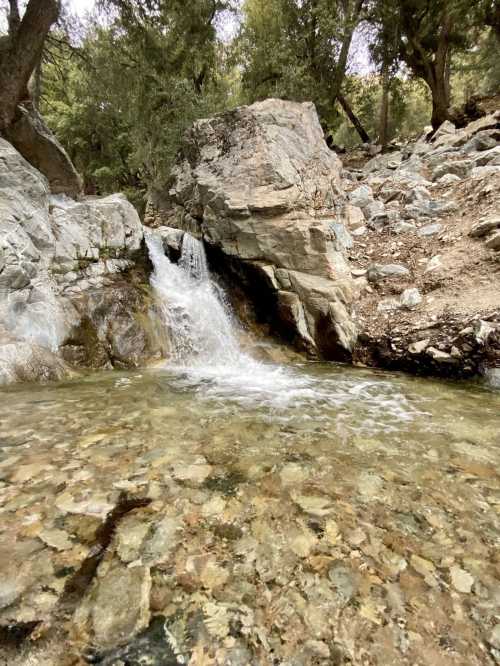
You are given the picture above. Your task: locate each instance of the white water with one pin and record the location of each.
(206, 356)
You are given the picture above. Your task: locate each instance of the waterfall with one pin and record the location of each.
(198, 321)
(204, 346)
(206, 357)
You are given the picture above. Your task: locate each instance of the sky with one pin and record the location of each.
(82, 6)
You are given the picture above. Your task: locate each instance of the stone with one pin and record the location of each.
(343, 237)
(384, 161)
(410, 298)
(482, 141)
(21, 361)
(402, 227)
(266, 195)
(353, 216)
(482, 172)
(430, 230)
(419, 346)
(58, 539)
(493, 241)
(117, 606)
(488, 157)
(361, 197)
(433, 264)
(484, 226)
(448, 179)
(377, 272)
(492, 377)
(494, 637)
(359, 231)
(374, 209)
(438, 355)
(461, 580)
(444, 131)
(482, 331)
(460, 168)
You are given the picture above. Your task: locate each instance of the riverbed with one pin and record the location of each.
(318, 514)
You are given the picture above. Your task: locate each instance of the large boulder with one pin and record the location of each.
(262, 189)
(60, 259)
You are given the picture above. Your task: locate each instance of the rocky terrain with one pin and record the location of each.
(423, 243)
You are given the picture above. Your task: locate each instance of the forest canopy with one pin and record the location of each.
(119, 87)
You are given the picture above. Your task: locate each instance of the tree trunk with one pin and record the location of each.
(354, 120)
(384, 107)
(351, 21)
(22, 54)
(440, 97)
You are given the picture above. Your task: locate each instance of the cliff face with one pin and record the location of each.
(262, 189)
(70, 276)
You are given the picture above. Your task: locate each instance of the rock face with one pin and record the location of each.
(261, 188)
(63, 292)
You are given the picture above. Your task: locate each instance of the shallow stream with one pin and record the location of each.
(308, 514)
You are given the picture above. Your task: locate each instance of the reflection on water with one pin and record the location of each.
(336, 515)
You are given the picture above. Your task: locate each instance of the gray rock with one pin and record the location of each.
(439, 356)
(444, 131)
(374, 209)
(402, 227)
(493, 241)
(483, 227)
(377, 272)
(460, 168)
(448, 179)
(430, 208)
(492, 378)
(419, 346)
(482, 141)
(353, 216)
(343, 237)
(385, 161)
(361, 197)
(430, 230)
(359, 231)
(484, 171)
(487, 157)
(264, 196)
(482, 331)
(53, 252)
(117, 606)
(410, 298)
(433, 264)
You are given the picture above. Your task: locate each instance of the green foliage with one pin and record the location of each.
(120, 97)
(123, 98)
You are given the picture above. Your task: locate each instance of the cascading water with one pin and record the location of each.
(206, 356)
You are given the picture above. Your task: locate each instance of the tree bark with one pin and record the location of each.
(351, 21)
(384, 107)
(352, 117)
(23, 53)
